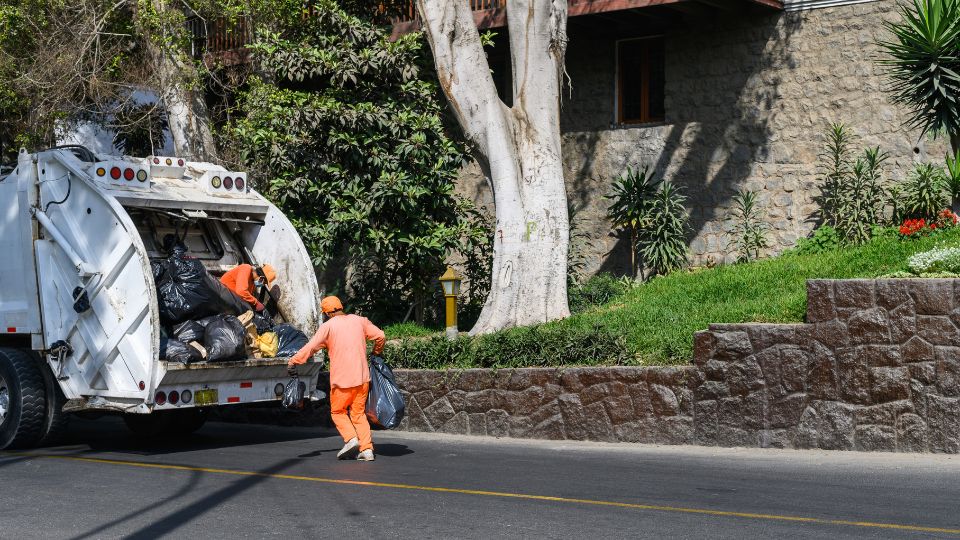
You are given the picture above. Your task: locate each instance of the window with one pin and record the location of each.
(640, 81)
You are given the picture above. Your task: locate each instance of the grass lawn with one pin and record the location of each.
(658, 318)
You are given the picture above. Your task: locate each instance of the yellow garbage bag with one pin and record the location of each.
(269, 344)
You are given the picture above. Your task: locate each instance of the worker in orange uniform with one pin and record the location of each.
(246, 279)
(345, 338)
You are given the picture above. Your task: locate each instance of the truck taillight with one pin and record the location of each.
(174, 397)
(101, 171)
(115, 173)
(180, 163)
(215, 182)
(142, 175)
(186, 396)
(128, 174)
(156, 161)
(239, 183)
(228, 183)
(160, 398)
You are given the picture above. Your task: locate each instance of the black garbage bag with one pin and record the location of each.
(188, 331)
(385, 406)
(263, 322)
(188, 291)
(224, 339)
(293, 395)
(159, 269)
(291, 340)
(173, 350)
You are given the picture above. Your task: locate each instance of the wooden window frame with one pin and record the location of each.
(645, 117)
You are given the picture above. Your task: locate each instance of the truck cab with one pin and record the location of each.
(80, 325)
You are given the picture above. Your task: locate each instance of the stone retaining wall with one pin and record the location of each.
(876, 367)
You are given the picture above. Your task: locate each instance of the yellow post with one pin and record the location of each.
(451, 312)
(451, 288)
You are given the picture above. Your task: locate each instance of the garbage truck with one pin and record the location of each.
(80, 326)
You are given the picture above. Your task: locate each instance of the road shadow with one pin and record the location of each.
(109, 434)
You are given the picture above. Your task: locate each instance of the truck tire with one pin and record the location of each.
(55, 422)
(23, 399)
(173, 424)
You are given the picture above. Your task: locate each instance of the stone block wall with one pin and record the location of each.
(749, 97)
(875, 368)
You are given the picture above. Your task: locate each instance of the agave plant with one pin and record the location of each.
(923, 59)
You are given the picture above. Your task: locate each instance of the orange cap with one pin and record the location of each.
(330, 304)
(269, 273)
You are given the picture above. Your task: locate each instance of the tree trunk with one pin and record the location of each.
(181, 92)
(517, 148)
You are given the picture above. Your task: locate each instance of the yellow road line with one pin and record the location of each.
(502, 494)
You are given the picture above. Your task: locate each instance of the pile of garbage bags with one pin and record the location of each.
(203, 321)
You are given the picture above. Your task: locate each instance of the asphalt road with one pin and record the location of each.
(242, 481)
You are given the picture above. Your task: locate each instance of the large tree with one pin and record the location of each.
(346, 136)
(518, 149)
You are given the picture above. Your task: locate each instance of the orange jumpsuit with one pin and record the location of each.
(345, 338)
(241, 281)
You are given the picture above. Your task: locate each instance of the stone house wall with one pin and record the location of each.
(748, 99)
(876, 367)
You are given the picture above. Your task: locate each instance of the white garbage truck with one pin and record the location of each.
(80, 326)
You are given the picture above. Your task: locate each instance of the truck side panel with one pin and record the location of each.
(276, 242)
(19, 309)
(115, 338)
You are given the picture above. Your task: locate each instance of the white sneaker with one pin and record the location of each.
(349, 450)
(366, 455)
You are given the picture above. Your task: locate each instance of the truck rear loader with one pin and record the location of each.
(80, 324)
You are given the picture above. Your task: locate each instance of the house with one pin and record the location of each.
(718, 95)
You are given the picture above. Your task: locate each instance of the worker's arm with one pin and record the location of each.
(372, 333)
(317, 342)
(245, 285)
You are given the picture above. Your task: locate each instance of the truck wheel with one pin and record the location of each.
(56, 422)
(22, 399)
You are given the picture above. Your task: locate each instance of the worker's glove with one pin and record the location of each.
(292, 370)
(258, 308)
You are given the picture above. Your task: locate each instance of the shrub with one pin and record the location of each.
(597, 290)
(545, 345)
(630, 196)
(923, 193)
(913, 228)
(663, 233)
(749, 229)
(824, 238)
(853, 197)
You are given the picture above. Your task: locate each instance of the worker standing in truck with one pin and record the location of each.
(345, 338)
(245, 280)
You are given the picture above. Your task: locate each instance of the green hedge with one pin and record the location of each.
(538, 346)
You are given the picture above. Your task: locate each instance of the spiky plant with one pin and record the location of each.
(952, 180)
(629, 195)
(923, 62)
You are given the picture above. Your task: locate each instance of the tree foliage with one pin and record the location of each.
(345, 135)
